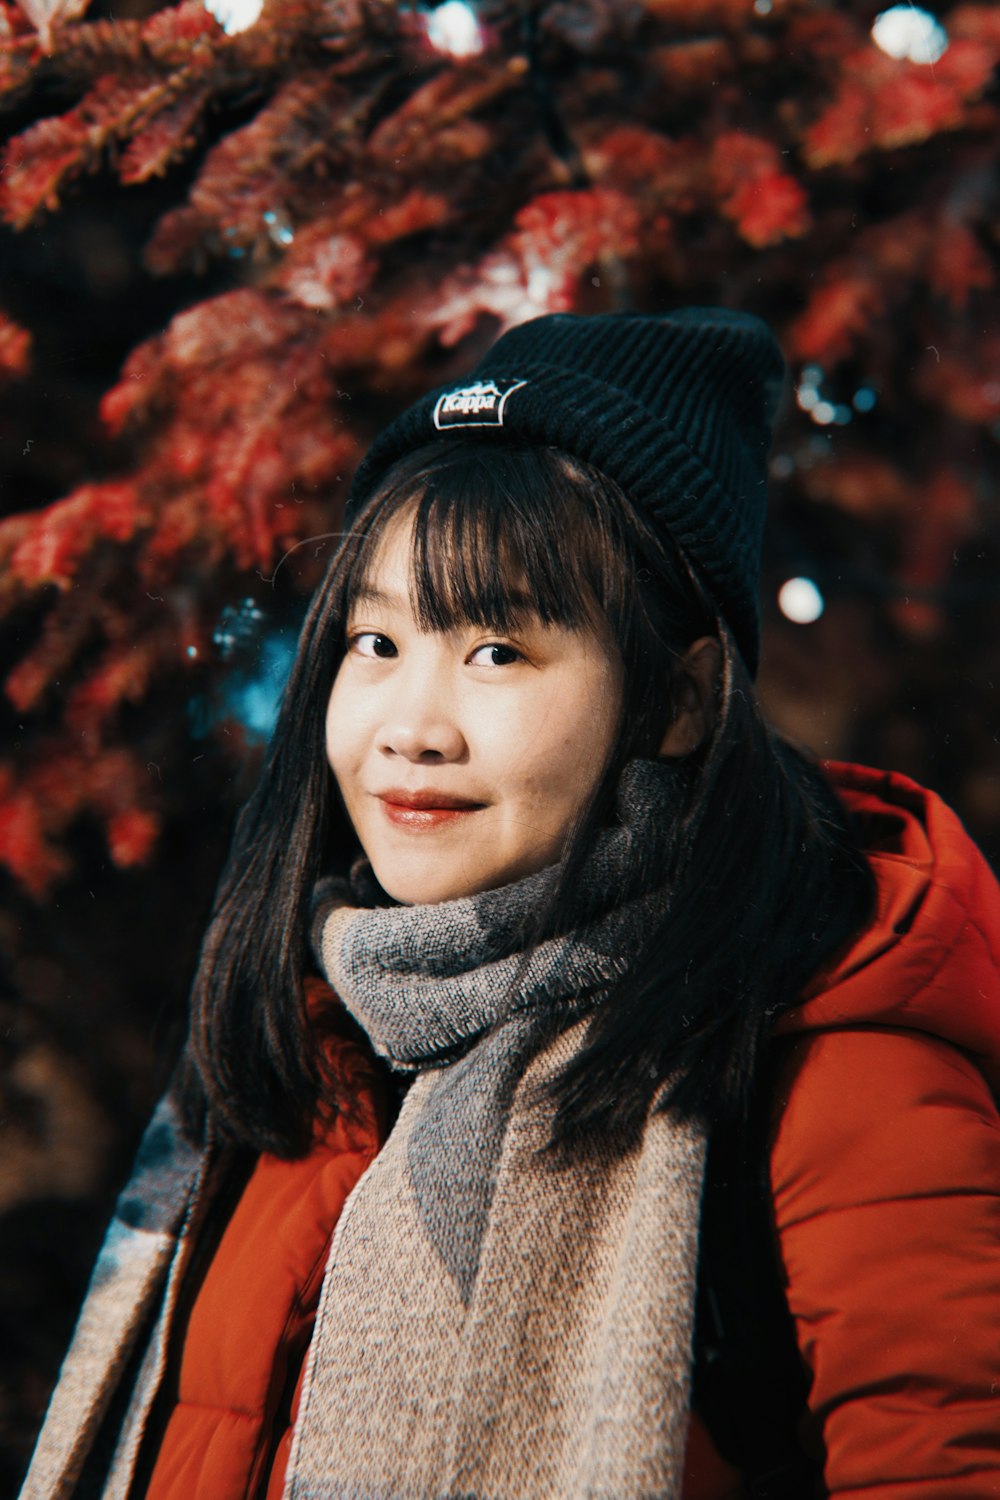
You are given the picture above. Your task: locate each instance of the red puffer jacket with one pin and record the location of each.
(885, 1168)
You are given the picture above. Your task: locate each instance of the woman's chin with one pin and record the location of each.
(418, 888)
(426, 882)
(422, 871)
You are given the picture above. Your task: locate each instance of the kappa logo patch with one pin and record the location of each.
(478, 405)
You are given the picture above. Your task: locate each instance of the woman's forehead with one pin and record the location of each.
(449, 570)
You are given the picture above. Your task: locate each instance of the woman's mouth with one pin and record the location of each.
(425, 809)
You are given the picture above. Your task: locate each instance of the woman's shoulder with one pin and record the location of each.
(929, 960)
(876, 1114)
(895, 1047)
(885, 1161)
(885, 1174)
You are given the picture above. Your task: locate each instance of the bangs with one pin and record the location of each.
(499, 534)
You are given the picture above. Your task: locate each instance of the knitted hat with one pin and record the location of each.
(675, 407)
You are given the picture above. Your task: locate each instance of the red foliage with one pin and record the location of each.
(835, 317)
(861, 484)
(652, 169)
(170, 134)
(40, 160)
(14, 23)
(122, 676)
(933, 247)
(47, 15)
(25, 849)
(15, 349)
(248, 174)
(326, 270)
(385, 204)
(958, 265)
(691, 67)
(765, 201)
(539, 267)
(947, 514)
(178, 34)
(566, 233)
(132, 836)
(40, 802)
(881, 103)
(48, 546)
(727, 14)
(961, 376)
(975, 22)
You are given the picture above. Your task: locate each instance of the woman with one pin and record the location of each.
(683, 1088)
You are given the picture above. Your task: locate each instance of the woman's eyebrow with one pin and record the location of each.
(369, 593)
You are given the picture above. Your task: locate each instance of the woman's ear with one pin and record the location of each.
(694, 697)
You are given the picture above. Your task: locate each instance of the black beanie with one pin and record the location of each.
(675, 407)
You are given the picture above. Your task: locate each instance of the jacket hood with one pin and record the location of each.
(930, 959)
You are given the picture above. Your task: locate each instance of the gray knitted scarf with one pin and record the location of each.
(499, 1320)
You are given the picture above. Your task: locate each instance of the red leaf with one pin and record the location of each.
(416, 211)
(690, 67)
(168, 33)
(15, 348)
(536, 268)
(46, 15)
(730, 14)
(122, 676)
(24, 847)
(26, 683)
(179, 242)
(254, 171)
(325, 270)
(166, 138)
(963, 379)
(770, 210)
(767, 204)
(884, 103)
(413, 132)
(37, 162)
(235, 325)
(636, 161)
(140, 380)
(42, 158)
(834, 316)
(132, 836)
(14, 24)
(842, 132)
(980, 23)
(573, 229)
(917, 103)
(19, 52)
(862, 484)
(941, 517)
(958, 265)
(52, 542)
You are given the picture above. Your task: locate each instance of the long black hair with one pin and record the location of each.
(767, 879)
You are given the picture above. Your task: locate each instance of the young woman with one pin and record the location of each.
(627, 1129)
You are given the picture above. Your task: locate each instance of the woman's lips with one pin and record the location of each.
(425, 809)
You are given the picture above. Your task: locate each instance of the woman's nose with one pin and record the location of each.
(430, 743)
(420, 728)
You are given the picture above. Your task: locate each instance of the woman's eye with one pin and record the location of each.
(495, 655)
(369, 643)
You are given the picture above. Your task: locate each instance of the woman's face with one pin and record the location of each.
(463, 756)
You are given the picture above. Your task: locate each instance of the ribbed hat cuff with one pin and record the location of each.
(631, 445)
